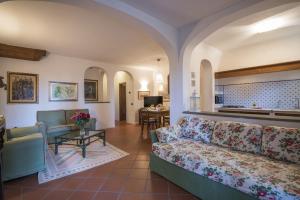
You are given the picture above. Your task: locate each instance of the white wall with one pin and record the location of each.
(68, 69)
(264, 53)
(201, 52)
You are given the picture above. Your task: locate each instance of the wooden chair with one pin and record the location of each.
(166, 120)
(149, 120)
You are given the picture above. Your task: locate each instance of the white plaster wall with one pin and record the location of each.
(201, 52)
(68, 69)
(263, 53)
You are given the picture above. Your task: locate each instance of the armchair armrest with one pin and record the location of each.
(21, 132)
(43, 129)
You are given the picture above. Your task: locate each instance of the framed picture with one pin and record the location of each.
(193, 83)
(142, 94)
(193, 75)
(63, 91)
(22, 87)
(91, 90)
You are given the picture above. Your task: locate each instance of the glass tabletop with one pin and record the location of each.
(75, 135)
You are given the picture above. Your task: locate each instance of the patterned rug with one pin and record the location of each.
(69, 160)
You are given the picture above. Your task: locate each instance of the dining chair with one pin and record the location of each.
(149, 120)
(166, 120)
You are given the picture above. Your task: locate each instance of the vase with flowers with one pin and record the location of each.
(81, 119)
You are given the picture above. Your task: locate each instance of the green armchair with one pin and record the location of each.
(23, 152)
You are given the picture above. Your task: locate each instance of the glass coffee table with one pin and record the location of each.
(78, 140)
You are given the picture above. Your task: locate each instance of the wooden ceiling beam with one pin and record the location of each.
(279, 67)
(9, 51)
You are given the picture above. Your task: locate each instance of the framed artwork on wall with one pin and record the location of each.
(90, 90)
(193, 83)
(22, 87)
(63, 91)
(142, 94)
(193, 75)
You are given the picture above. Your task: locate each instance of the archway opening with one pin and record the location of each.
(206, 86)
(95, 85)
(124, 102)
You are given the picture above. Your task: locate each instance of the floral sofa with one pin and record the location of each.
(229, 160)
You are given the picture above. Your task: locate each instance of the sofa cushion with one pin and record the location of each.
(69, 114)
(61, 128)
(281, 143)
(52, 117)
(168, 134)
(238, 136)
(255, 175)
(196, 128)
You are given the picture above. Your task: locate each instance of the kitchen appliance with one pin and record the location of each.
(219, 99)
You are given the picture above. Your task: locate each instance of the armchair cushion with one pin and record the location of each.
(281, 143)
(20, 132)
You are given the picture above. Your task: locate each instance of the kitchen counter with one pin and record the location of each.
(283, 118)
(262, 111)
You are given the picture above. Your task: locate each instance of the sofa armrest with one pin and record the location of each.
(153, 136)
(21, 132)
(91, 124)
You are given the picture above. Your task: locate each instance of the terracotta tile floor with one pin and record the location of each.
(125, 179)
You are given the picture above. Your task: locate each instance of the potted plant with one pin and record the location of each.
(81, 119)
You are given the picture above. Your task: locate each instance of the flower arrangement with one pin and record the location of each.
(81, 119)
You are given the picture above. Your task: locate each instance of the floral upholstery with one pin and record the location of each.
(238, 136)
(168, 134)
(196, 128)
(255, 175)
(281, 143)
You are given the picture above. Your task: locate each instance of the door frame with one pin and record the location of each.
(121, 85)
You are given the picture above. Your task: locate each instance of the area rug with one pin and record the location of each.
(69, 160)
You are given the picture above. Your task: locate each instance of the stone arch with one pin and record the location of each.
(206, 86)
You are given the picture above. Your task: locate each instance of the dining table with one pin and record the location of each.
(156, 113)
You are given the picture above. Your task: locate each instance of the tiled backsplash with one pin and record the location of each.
(274, 94)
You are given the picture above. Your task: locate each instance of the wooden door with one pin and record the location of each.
(122, 101)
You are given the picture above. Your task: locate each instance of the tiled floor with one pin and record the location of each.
(126, 179)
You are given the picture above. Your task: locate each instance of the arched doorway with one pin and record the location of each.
(206, 86)
(124, 106)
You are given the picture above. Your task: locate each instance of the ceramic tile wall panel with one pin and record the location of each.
(277, 94)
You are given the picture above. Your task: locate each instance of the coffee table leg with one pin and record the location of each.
(104, 142)
(83, 147)
(56, 146)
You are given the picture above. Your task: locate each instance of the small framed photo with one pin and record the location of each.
(91, 90)
(193, 75)
(193, 83)
(22, 87)
(63, 91)
(142, 94)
